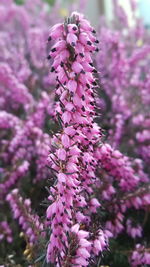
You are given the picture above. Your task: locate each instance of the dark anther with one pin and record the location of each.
(97, 42)
(52, 69)
(94, 71)
(91, 64)
(74, 28)
(53, 49)
(97, 49)
(88, 86)
(83, 108)
(61, 64)
(94, 83)
(93, 31)
(49, 57)
(73, 44)
(83, 97)
(49, 38)
(81, 54)
(89, 43)
(82, 71)
(91, 103)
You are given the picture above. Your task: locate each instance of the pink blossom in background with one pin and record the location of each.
(74, 160)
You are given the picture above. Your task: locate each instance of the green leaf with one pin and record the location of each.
(19, 2)
(50, 2)
(40, 258)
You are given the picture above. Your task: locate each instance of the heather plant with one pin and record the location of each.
(72, 159)
(122, 186)
(69, 197)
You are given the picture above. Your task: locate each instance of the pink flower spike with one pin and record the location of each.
(73, 155)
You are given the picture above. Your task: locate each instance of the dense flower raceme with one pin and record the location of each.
(72, 158)
(27, 143)
(132, 185)
(124, 192)
(30, 223)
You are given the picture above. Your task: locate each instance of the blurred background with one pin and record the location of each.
(105, 7)
(94, 8)
(28, 121)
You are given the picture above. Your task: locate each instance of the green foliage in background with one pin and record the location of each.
(19, 2)
(50, 2)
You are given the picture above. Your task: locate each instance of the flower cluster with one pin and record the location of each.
(125, 83)
(124, 185)
(21, 209)
(5, 232)
(25, 103)
(121, 189)
(140, 256)
(72, 158)
(99, 192)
